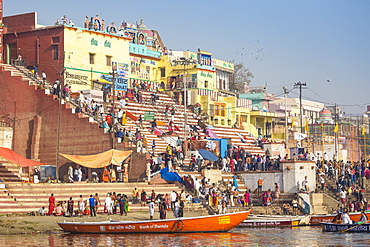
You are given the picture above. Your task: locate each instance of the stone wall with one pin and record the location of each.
(294, 173)
(289, 179)
(269, 178)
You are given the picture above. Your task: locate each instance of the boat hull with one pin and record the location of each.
(331, 227)
(270, 223)
(328, 218)
(210, 223)
(304, 220)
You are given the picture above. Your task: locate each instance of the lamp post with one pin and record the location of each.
(184, 61)
(114, 74)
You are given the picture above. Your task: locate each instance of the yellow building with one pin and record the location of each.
(89, 56)
(207, 83)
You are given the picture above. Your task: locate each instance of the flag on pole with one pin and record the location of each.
(363, 130)
(293, 124)
(306, 127)
(336, 128)
(322, 125)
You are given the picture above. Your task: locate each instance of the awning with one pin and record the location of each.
(103, 81)
(112, 156)
(17, 159)
(207, 155)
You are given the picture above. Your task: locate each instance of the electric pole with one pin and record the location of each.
(114, 69)
(299, 85)
(286, 117)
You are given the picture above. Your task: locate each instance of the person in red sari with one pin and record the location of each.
(51, 204)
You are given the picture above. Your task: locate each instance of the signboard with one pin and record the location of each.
(121, 78)
(76, 79)
(204, 59)
(149, 115)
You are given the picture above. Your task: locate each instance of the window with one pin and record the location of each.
(109, 60)
(205, 84)
(55, 39)
(55, 52)
(163, 72)
(217, 112)
(222, 111)
(92, 58)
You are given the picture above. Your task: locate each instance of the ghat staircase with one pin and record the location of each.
(26, 197)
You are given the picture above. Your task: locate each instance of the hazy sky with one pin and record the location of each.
(281, 42)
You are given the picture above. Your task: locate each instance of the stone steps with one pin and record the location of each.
(30, 197)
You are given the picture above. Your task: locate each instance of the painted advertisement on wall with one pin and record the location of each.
(121, 78)
(205, 59)
(141, 68)
(78, 79)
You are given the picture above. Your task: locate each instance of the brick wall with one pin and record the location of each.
(35, 123)
(20, 23)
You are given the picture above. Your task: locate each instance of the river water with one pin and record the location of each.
(299, 236)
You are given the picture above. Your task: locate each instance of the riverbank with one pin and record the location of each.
(12, 224)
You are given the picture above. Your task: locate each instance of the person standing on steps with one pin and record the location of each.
(97, 202)
(153, 147)
(295, 206)
(92, 204)
(259, 185)
(43, 74)
(35, 71)
(70, 207)
(151, 209)
(140, 121)
(305, 184)
(51, 204)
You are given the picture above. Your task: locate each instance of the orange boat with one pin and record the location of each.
(320, 218)
(209, 223)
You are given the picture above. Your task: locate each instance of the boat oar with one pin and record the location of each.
(354, 226)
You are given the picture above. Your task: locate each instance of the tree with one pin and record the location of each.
(242, 78)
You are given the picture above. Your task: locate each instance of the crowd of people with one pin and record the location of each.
(117, 203)
(349, 179)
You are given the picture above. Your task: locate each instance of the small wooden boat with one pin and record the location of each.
(317, 219)
(209, 223)
(332, 227)
(270, 223)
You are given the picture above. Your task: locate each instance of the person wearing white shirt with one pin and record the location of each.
(108, 204)
(197, 185)
(151, 209)
(345, 217)
(79, 174)
(176, 209)
(173, 198)
(224, 164)
(305, 184)
(343, 198)
(326, 158)
(122, 103)
(119, 116)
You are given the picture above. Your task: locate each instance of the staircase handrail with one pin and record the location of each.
(29, 74)
(174, 141)
(151, 175)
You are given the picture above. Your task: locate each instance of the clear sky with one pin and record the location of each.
(281, 42)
